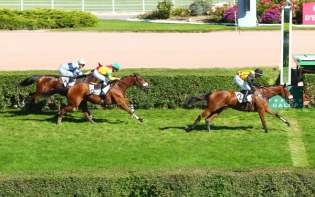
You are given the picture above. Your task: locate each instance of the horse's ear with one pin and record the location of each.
(99, 64)
(135, 74)
(284, 85)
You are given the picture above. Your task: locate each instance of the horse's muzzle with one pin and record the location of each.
(290, 99)
(145, 87)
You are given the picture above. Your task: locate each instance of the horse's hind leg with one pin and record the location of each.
(201, 116)
(63, 111)
(211, 117)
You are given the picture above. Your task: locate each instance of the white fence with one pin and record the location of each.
(91, 5)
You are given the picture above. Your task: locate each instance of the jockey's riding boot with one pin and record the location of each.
(245, 96)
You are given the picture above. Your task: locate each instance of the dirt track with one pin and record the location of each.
(44, 50)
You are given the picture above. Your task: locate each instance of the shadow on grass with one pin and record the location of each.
(53, 116)
(213, 128)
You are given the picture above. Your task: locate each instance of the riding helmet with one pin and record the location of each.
(258, 72)
(81, 61)
(116, 66)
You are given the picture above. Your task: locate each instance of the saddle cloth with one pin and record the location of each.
(240, 95)
(95, 89)
(65, 81)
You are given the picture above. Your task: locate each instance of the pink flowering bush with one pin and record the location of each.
(269, 11)
(230, 15)
(271, 16)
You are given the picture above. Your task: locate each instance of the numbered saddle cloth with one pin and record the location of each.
(240, 95)
(95, 89)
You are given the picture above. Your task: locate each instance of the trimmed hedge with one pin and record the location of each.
(309, 84)
(276, 182)
(165, 91)
(44, 19)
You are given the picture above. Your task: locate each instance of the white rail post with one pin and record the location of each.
(143, 6)
(52, 4)
(21, 6)
(113, 6)
(82, 5)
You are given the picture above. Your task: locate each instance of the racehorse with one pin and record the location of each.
(115, 95)
(49, 82)
(222, 99)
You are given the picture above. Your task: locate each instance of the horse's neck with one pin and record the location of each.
(271, 91)
(125, 83)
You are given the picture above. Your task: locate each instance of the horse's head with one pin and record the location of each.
(287, 94)
(141, 83)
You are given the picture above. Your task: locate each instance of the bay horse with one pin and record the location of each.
(49, 82)
(81, 93)
(222, 99)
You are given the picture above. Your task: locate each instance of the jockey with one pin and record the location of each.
(104, 73)
(247, 75)
(71, 70)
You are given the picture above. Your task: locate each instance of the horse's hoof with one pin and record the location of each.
(92, 122)
(266, 131)
(188, 128)
(289, 125)
(59, 121)
(21, 104)
(141, 120)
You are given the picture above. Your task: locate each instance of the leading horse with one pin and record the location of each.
(81, 93)
(222, 99)
(49, 82)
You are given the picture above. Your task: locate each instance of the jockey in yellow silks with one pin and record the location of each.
(247, 75)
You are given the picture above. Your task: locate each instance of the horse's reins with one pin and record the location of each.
(285, 94)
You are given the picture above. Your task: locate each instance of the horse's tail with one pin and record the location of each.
(61, 91)
(28, 81)
(197, 98)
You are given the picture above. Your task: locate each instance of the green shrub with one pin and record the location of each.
(200, 7)
(164, 9)
(181, 11)
(149, 15)
(44, 19)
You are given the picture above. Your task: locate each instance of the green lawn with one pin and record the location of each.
(33, 141)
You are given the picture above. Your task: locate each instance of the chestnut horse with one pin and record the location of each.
(222, 99)
(81, 93)
(48, 82)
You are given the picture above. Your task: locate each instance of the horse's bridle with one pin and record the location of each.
(142, 86)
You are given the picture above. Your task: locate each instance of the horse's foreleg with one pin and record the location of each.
(86, 111)
(201, 116)
(262, 118)
(132, 114)
(270, 111)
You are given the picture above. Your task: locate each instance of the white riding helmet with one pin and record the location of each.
(81, 61)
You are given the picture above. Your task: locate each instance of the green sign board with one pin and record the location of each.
(277, 102)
